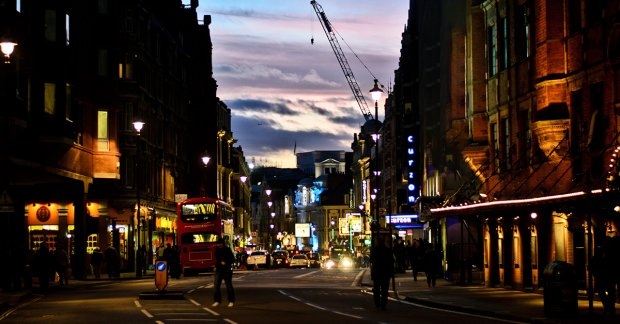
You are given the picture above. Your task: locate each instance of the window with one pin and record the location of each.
(103, 138)
(523, 30)
(102, 7)
(495, 146)
(574, 16)
(503, 43)
(50, 25)
(67, 35)
(594, 11)
(68, 103)
(125, 69)
(506, 149)
(492, 50)
(50, 98)
(102, 66)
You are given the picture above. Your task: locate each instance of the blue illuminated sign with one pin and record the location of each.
(413, 192)
(161, 266)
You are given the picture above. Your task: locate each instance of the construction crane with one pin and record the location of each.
(333, 41)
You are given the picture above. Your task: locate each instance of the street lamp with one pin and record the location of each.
(7, 47)
(243, 179)
(376, 93)
(138, 125)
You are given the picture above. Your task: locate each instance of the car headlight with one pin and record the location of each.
(330, 264)
(346, 262)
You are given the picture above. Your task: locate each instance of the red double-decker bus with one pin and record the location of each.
(200, 222)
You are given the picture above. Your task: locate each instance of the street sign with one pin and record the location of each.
(161, 275)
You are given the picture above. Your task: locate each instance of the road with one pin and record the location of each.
(264, 296)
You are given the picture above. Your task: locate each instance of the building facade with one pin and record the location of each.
(75, 171)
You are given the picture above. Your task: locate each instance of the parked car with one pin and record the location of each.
(259, 259)
(280, 259)
(300, 261)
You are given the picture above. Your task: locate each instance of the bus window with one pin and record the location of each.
(202, 237)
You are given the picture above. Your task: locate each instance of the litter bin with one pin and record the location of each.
(560, 289)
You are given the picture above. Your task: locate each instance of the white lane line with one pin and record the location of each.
(317, 306)
(214, 313)
(305, 274)
(194, 302)
(448, 311)
(145, 312)
(137, 302)
(159, 322)
(230, 321)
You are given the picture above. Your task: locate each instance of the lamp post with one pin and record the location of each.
(243, 179)
(376, 93)
(138, 125)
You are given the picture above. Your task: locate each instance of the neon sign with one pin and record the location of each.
(413, 191)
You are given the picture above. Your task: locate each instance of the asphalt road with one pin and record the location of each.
(264, 296)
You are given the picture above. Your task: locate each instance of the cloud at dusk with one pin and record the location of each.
(281, 88)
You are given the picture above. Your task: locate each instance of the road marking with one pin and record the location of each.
(305, 274)
(317, 306)
(447, 310)
(145, 312)
(214, 313)
(194, 302)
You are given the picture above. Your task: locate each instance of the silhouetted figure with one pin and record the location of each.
(224, 260)
(141, 262)
(61, 264)
(432, 265)
(112, 261)
(381, 270)
(96, 260)
(602, 267)
(415, 259)
(43, 265)
(174, 262)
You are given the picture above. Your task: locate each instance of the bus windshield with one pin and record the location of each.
(198, 213)
(199, 237)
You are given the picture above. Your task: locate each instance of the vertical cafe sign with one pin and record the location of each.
(413, 191)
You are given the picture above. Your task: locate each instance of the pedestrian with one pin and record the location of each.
(175, 262)
(111, 257)
(43, 265)
(95, 261)
(160, 252)
(224, 259)
(414, 259)
(601, 266)
(381, 270)
(432, 265)
(61, 264)
(141, 262)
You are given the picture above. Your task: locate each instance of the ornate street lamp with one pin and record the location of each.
(376, 93)
(7, 47)
(138, 125)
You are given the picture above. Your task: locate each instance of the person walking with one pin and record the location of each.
(414, 259)
(95, 261)
(112, 261)
(61, 263)
(381, 270)
(43, 265)
(432, 265)
(224, 260)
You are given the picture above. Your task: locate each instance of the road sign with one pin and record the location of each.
(161, 275)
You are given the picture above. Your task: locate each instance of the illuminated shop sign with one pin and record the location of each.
(413, 192)
(401, 219)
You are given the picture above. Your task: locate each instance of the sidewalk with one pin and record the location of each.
(509, 304)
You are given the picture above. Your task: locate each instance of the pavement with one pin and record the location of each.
(474, 298)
